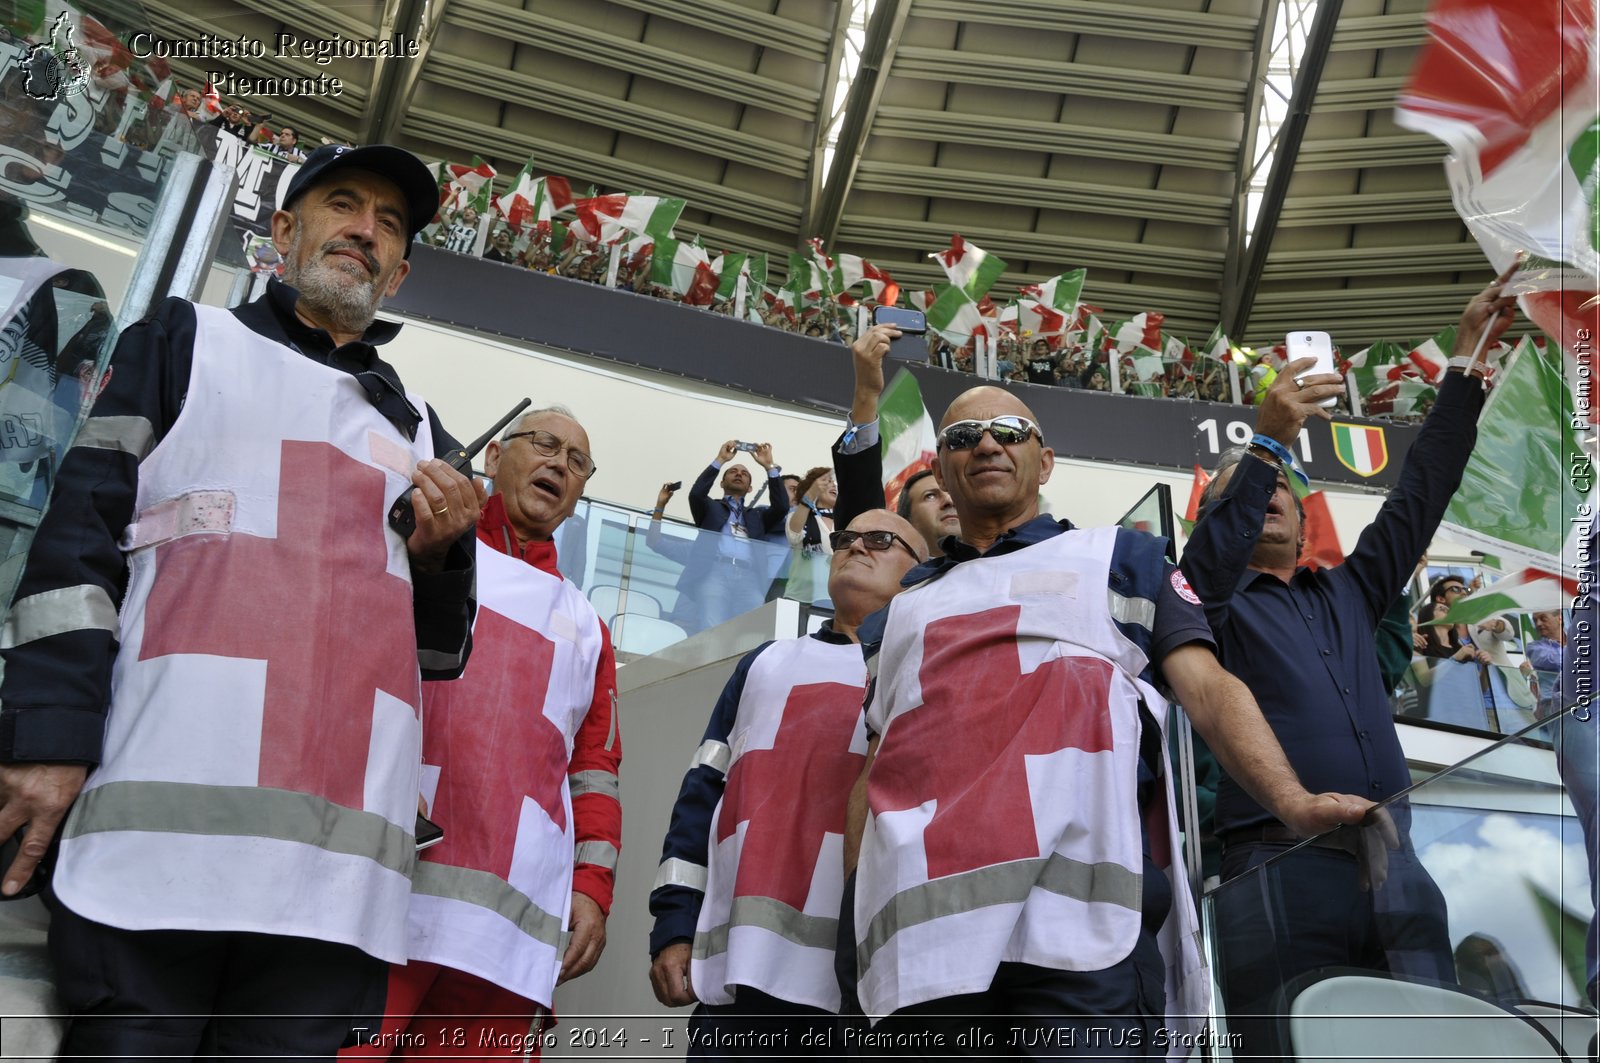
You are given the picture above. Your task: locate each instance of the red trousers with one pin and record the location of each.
(435, 1011)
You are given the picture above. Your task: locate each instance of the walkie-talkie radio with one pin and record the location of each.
(403, 518)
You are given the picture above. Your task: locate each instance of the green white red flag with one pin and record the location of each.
(1512, 89)
(610, 218)
(971, 269)
(1532, 590)
(1141, 330)
(685, 268)
(1060, 292)
(470, 177)
(909, 440)
(954, 316)
(879, 287)
(534, 199)
(1516, 498)
(1431, 357)
(1217, 346)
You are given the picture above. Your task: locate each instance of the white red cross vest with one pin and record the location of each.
(262, 749)
(775, 878)
(493, 897)
(1004, 821)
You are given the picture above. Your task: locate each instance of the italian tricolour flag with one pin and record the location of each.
(970, 268)
(610, 218)
(1532, 590)
(1512, 88)
(909, 441)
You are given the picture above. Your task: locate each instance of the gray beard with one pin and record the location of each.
(328, 292)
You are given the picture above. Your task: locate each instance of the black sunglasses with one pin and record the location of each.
(875, 540)
(1007, 431)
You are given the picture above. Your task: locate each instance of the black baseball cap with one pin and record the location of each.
(417, 186)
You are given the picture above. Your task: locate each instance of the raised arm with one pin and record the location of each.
(1388, 549)
(858, 453)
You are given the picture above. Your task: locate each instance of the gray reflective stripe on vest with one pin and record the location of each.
(765, 913)
(676, 872)
(594, 782)
(1141, 611)
(602, 854)
(242, 811)
(611, 728)
(131, 435)
(712, 754)
(487, 891)
(1009, 883)
(81, 608)
(438, 660)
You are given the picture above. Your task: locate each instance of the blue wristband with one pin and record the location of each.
(1284, 455)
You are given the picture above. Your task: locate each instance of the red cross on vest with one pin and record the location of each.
(489, 733)
(793, 793)
(317, 603)
(963, 747)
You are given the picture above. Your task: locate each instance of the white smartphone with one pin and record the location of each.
(1316, 345)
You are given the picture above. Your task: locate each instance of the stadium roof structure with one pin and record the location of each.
(1124, 137)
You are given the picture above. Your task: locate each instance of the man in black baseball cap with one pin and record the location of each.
(345, 232)
(266, 925)
(417, 186)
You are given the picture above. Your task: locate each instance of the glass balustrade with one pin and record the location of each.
(88, 139)
(1458, 924)
(658, 582)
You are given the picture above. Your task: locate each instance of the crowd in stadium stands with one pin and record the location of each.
(200, 108)
(1046, 335)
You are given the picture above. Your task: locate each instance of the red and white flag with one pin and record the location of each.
(1511, 88)
(618, 216)
(969, 267)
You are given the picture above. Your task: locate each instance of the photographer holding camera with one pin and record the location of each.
(725, 575)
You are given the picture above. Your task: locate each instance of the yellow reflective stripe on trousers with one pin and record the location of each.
(489, 891)
(241, 812)
(1009, 883)
(765, 913)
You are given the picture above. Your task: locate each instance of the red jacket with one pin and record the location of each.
(596, 817)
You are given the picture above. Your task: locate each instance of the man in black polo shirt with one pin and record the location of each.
(1303, 642)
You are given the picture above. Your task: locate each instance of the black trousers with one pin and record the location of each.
(760, 1026)
(1310, 912)
(1037, 1013)
(183, 994)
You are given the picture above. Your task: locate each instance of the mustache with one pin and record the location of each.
(367, 257)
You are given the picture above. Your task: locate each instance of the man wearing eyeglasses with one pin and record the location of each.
(531, 833)
(1015, 821)
(748, 893)
(218, 618)
(1302, 640)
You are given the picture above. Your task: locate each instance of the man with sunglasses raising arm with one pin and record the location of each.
(217, 618)
(531, 831)
(747, 897)
(1014, 817)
